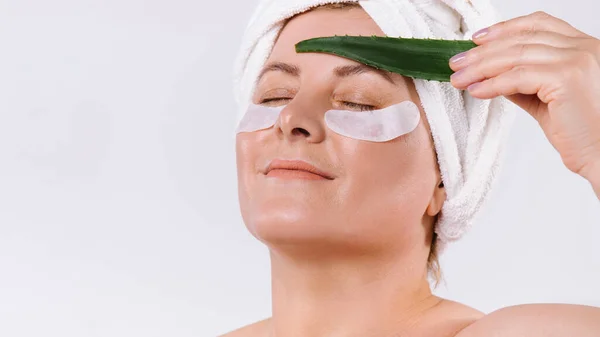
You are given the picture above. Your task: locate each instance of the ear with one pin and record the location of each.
(437, 199)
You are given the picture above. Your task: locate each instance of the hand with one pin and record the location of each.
(549, 69)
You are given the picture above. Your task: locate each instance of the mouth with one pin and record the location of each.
(295, 169)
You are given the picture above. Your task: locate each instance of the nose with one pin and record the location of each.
(302, 122)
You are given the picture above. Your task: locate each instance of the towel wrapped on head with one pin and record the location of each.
(469, 134)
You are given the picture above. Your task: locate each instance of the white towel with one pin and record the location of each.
(469, 134)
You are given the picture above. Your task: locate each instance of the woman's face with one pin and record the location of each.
(380, 195)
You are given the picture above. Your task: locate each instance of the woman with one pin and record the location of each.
(351, 224)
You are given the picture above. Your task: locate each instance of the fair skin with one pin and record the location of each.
(549, 69)
(349, 253)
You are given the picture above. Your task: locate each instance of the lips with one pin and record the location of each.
(295, 168)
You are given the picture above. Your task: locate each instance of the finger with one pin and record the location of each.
(536, 22)
(520, 55)
(526, 80)
(495, 47)
(529, 103)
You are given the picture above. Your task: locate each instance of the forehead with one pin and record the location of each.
(323, 22)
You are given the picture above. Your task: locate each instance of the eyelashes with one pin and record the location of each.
(273, 100)
(359, 107)
(350, 105)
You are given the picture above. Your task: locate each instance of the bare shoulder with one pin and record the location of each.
(452, 319)
(461, 310)
(446, 320)
(257, 329)
(533, 320)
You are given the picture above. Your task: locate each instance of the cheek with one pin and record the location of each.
(389, 181)
(246, 160)
(244, 155)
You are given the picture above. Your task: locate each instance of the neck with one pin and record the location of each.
(362, 295)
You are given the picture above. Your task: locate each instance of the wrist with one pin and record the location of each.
(593, 176)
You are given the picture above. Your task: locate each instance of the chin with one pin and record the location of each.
(302, 231)
(286, 225)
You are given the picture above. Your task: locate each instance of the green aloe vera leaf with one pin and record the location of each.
(426, 59)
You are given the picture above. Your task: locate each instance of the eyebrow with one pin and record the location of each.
(349, 70)
(287, 68)
(341, 71)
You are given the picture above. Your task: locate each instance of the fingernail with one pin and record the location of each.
(456, 59)
(456, 75)
(481, 33)
(473, 86)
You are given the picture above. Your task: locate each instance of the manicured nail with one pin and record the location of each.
(473, 86)
(456, 59)
(481, 33)
(456, 75)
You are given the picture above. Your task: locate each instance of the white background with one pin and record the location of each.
(118, 200)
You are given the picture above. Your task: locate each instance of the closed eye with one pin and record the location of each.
(270, 101)
(351, 105)
(360, 107)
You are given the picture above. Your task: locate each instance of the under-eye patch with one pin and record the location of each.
(259, 117)
(376, 125)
